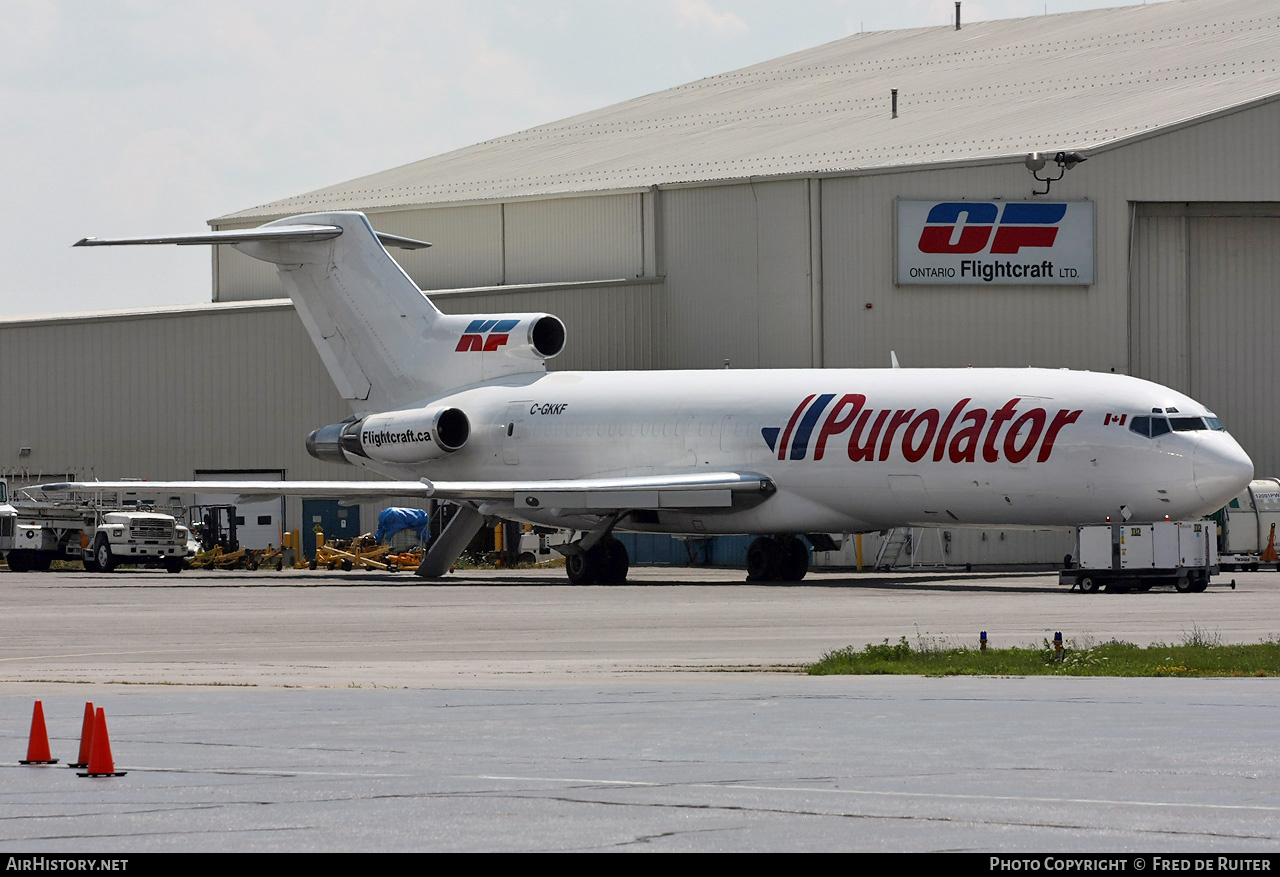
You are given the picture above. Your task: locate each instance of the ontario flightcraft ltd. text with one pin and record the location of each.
(63, 863)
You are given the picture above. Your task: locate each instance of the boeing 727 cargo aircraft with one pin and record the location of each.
(462, 409)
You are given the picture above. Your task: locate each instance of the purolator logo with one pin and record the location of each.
(960, 435)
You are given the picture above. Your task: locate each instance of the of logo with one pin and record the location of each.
(485, 335)
(964, 228)
(960, 435)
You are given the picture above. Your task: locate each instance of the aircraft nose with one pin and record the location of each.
(1220, 469)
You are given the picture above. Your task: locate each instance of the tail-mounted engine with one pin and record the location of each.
(407, 436)
(516, 336)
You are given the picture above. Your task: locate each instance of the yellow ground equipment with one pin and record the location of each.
(362, 552)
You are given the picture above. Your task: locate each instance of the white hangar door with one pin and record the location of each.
(1204, 280)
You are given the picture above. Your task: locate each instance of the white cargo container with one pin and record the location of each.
(1137, 557)
(1245, 525)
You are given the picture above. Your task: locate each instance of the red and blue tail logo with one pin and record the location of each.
(485, 335)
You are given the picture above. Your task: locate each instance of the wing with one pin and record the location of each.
(703, 490)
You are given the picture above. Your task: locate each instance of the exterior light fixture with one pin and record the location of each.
(1065, 161)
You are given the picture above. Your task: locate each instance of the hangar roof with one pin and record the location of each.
(990, 91)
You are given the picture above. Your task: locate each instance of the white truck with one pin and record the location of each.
(1137, 557)
(35, 532)
(1248, 524)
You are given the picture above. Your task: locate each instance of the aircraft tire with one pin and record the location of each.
(1088, 585)
(764, 560)
(793, 562)
(584, 568)
(614, 563)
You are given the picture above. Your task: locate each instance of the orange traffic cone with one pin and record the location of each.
(1270, 555)
(38, 745)
(86, 737)
(100, 761)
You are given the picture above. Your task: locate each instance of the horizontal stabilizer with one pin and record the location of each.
(276, 233)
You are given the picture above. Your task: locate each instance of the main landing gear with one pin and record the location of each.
(605, 563)
(777, 558)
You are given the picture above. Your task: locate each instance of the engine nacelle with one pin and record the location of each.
(409, 436)
(520, 336)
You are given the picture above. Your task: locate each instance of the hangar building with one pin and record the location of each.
(762, 218)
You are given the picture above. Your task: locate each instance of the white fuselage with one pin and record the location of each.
(852, 450)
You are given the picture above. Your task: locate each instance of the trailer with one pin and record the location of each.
(1247, 527)
(1139, 556)
(34, 532)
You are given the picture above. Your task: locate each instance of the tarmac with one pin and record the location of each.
(510, 711)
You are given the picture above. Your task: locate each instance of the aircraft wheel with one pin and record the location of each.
(1088, 585)
(584, 568)
(615, 563)
(794, 559)
(102, 554)
(764, 560)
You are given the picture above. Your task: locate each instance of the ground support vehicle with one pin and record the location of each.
(1137, 557)
(1247, 527)
(34, 533)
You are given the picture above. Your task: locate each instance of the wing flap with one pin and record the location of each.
(711, 490)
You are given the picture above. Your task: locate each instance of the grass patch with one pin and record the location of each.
(1199, 654)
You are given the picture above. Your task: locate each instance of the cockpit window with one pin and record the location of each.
(1150, 427)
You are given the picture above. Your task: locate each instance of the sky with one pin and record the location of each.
(144, 117)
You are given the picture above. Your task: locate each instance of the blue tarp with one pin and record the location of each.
(392, 521)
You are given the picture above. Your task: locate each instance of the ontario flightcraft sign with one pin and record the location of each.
(1021, 243)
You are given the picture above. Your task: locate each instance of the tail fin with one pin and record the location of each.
(384, 343)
